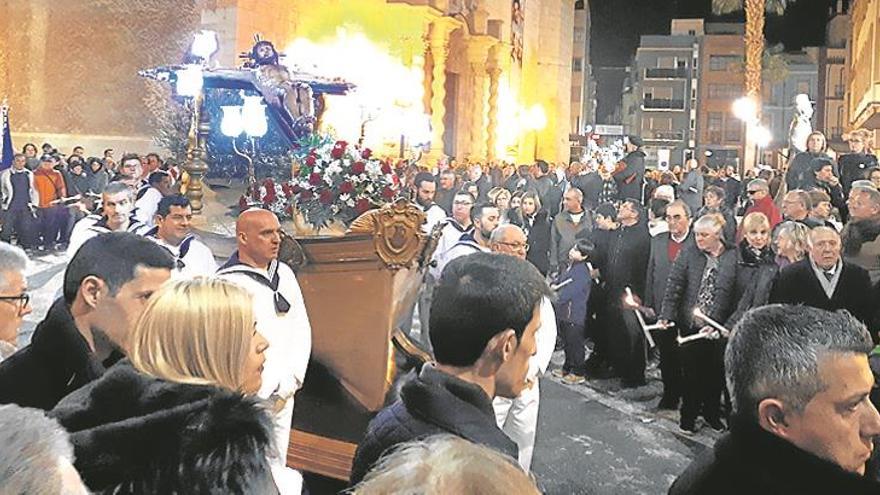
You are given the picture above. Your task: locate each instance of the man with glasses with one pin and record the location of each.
(456, 226)
(665, 248)
(518, 418)
(796, 207)
(14, 299)
(759, 200)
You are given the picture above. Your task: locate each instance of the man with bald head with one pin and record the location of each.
(281, 317)
(518, 417)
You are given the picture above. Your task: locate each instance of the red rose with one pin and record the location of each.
(287, 190)
(326, 197)
(310, 160)
(296, 189)
(358, 168)
(387, 193)
(270, 195)
(242, 203)
(269, 184)
(395, 180)
(315, 179)
(367, 153)
(337, 153)
(306, 195)
(386, 169)
(346, 188)
(340, 144)
(362, 205)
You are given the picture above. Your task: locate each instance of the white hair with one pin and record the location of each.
(32, 447)
(12, 260)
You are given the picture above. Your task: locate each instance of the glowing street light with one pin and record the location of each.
(762, 135)
(745, 109)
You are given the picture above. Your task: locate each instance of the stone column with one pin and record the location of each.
(477, 51)
(497, 57)
(438, 44)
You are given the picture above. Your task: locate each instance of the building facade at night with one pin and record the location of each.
(864, 58)
(583, 85)
(489, 79)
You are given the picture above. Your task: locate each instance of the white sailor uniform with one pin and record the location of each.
(282, 319)
(192, 257)
(91, 225)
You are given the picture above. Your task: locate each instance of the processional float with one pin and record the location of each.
(358, 288)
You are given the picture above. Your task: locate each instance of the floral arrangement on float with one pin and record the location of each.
(333, 183)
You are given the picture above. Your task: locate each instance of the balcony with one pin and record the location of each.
(662, 104)
(677, 73)
(651, 135)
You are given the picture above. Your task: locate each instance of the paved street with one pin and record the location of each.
(592, 439)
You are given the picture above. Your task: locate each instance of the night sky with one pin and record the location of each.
(617, 25)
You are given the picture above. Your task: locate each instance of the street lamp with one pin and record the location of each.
(763, 138)
(534, 119)
(249, 119)
(746, 110)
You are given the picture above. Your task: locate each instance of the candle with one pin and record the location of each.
(712, 323)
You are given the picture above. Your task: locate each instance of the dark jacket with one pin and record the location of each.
(729, 229)
(732, 191)
(684, 285)
(138, 434)
(861, 245)
(622, 257)
(797, 284)
(750, 460)
(853, 167)
(431, 403)
(658, 268)
(631, 177)
(800, 174)
(755, 276)
(57, 362)
(571, 305)
(591, 185)
(537, 229)
(838, 197)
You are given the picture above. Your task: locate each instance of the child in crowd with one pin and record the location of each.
(573, 287)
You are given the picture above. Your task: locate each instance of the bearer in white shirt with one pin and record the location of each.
(173, 231)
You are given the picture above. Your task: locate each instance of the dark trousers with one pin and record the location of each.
(574, 339)
(20, 222)
(53, 220)
(627, 343)
(701, 394)
(670, 364)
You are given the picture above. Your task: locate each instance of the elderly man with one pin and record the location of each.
(117, 206)
(484, 333)
(802, 421)
(703, 277)
(665, 248)
(571, 223)
(445, 190)
(18, 201)
(518, 417)
(861, 236)
(281, 317)
(14, 298)
(796, 206)
(823, 280)
(107, 285)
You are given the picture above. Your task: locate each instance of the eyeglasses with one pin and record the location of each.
(23, 300)
(516, 246)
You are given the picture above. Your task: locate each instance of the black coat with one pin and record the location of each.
(537, 231)
(659, 267)
(797, 284)
(431, 403)
(801, 170)
(622, 257)
(138, 434)
(591, 185)
(755, 275)
(853, 167)
(683, 287)
(752, 461)
(57, 362)
(631, 177)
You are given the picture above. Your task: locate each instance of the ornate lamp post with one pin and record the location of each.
(190, 84)
(249, 119)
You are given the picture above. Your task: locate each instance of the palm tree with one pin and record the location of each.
(754, 39)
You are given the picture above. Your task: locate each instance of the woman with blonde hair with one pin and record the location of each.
(177, 416)
(756, 266)
(790, 242)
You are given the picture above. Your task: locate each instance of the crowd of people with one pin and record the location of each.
(160, 370)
